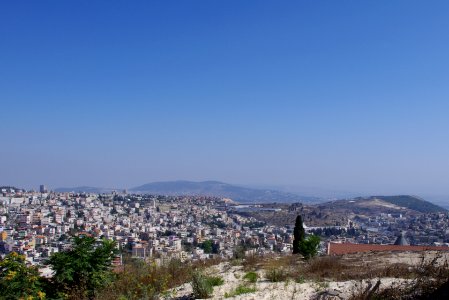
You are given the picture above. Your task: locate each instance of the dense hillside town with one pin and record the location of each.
(38, 224)
(189, 228)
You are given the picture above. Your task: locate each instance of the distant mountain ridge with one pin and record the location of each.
(244, 194)
(220, 189)
(84, 189)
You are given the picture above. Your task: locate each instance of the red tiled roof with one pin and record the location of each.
(345, 248)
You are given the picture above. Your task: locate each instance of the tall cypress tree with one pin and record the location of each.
(298, 234)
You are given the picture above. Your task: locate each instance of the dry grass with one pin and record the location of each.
(140, 280)
(427, 277)
(427, 280)
(350, 267)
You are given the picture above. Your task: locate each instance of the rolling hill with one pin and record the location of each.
(386, 204)
(411, 202)
(220, 189)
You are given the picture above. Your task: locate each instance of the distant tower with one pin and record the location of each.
(42, 188)
(154, 204)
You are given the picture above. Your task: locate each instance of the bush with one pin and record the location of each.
(309, 246)
(215, 280)
(201, 286)
(241, 289)
(276, 274)
(251, 277)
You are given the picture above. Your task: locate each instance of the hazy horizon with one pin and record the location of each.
(338, 96)
(308, 191)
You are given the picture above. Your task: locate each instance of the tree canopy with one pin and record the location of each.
(17, 280)
(207, 246)
(84, 268)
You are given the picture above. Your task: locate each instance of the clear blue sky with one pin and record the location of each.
(350, 95)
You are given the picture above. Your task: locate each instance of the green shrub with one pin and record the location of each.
(309, 246)
(241, 289)
(276, 274)
(215, 280)
(251, 277)
(201, 286)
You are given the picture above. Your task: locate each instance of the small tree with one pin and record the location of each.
(298, 234)
(207, 246)
(309, 246)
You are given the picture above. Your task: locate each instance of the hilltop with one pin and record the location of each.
(382, 204)
(411, 202)
(337, 212)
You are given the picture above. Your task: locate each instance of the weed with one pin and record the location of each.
(236, 262)
(276, 274)
(215, 280)
(251, 277)
(241, 289)
(320, 285)
(300, 279)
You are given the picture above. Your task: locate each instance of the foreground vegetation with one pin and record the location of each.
(85, 272)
